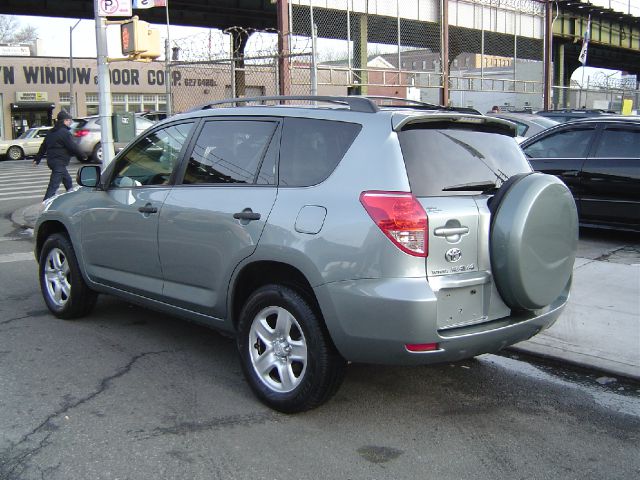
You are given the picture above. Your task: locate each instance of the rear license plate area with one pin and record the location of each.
(461, 306)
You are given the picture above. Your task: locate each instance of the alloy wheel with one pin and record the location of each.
(278, 349)
(56, 277)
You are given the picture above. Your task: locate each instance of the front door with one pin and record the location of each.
(120, 226)
(563, 154)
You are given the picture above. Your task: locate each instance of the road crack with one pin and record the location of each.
(12, 465)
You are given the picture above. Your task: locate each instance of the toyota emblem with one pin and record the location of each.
(453, 255)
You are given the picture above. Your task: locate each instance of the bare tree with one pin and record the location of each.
(12, 32)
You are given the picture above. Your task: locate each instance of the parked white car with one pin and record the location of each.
(26, 145)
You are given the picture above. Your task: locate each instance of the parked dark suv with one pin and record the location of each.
(333, 231)
(566, 115)
(599, 160)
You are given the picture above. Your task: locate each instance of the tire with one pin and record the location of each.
(533, 240)
(285, 351)
(96, 154)
(64, 290)
(15, 153)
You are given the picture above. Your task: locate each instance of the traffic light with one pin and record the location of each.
(139, 40)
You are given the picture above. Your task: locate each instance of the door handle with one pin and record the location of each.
(247, 214)
(148, 209)
(448, 231)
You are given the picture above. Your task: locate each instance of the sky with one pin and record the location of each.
(54, 33)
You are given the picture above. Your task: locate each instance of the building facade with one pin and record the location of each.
(34, 89)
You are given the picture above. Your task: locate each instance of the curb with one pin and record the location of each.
(574, 359)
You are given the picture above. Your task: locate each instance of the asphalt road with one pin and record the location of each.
(132, 394)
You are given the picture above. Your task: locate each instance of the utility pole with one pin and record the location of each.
(283, 47)
(72, 76)
(548, 52)
(104, 87)
(167, 66)
(444, 48)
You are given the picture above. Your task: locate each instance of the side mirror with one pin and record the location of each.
(88, 176)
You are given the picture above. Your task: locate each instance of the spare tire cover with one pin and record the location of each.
(533, 243)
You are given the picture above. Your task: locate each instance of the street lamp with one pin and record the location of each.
(72, 99)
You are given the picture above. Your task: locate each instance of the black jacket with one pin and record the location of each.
(58, 146)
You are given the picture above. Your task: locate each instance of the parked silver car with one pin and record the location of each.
(26, 145)
(86, 132)
(527, 124)
(318, 236)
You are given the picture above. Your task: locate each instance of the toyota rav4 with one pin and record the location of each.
(332, 231)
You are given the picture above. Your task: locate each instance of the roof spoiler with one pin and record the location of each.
(401, 122)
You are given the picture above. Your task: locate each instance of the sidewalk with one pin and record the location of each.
(600, 327)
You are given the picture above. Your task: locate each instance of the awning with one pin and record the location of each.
(33, 106)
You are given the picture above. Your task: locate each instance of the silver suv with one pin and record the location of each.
(86, 133)
(399, 234)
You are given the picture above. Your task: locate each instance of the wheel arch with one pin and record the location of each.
(259, 273)
(45, 230)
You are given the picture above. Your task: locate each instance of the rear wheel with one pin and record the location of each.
(15, 153)
(63, 288)
(286, 353)
(96, 155)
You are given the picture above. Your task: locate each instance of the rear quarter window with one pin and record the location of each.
(311, 149)
(441, 158)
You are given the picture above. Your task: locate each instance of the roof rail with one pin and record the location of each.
(355, 103)
(419, 105)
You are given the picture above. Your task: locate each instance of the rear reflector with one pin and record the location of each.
(401, 218)
(421, 347)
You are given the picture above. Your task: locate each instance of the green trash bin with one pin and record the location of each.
(124, 127)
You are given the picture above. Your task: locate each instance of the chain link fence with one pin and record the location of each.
(495, 54)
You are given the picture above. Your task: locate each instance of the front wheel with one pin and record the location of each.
(15, 153)
(63, 288)
(286, 353)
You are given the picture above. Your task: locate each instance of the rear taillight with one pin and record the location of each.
(81, 133)
(401, 218)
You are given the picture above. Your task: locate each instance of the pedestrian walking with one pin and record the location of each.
(59, 146)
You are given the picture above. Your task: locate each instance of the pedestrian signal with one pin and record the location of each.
(138, 39)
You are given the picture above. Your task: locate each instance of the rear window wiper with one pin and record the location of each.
(483, 187)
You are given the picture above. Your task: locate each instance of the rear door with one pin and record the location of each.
(32, 145)
(611, 178)
(214, 216)
(449, 167)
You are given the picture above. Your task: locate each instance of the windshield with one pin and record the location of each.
(442, 161)
(28, 134)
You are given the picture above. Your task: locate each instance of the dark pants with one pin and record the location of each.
(59, 174)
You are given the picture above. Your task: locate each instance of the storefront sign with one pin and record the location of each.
(35, 76)
(31, 97)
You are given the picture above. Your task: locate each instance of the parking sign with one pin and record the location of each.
(114, 8)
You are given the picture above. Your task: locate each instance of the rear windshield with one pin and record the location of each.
(438, 160)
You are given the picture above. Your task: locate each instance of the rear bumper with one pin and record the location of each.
(371, 321)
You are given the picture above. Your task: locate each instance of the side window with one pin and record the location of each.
(565, 144)
(42, 133)
(619, 143)
(229, 151)
(311, 149)
(152, 159)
